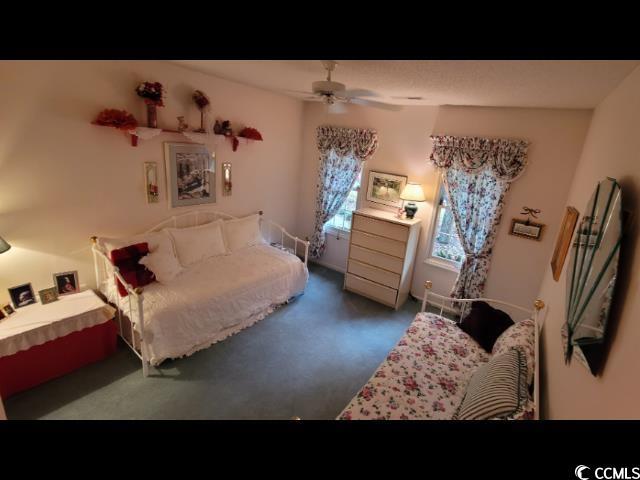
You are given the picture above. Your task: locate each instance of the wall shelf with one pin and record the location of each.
(145, 133)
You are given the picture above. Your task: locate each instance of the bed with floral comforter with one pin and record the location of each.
(423, 377)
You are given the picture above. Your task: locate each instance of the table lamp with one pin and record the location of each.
(412, 192)
(4, 246)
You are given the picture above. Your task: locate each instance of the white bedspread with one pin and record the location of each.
(217, 298)
(36, 324)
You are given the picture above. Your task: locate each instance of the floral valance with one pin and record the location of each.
(506, 157)
(360, 142)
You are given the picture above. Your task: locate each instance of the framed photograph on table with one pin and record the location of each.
(191, 174)
(66, 282)
(22, 295)
(385, 188)
(48, 295)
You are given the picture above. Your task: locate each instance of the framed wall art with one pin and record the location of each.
(526, 229)
(385, 188)
(191, 174)
(563, 241)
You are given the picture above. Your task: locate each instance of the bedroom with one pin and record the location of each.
(307, 346)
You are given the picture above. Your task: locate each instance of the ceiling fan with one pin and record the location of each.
(335, 94)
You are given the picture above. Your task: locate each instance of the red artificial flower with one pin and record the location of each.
(120, 119)
(201, 99)
(151, 92)
(251, 133)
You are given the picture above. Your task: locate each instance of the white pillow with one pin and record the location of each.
(242, 232)
(194, 244)
(162, 261)
(164, 266)
(154, 240)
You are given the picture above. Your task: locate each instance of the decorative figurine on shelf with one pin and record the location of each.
(182, 125)
(202, 102)
(223, 128)
(152, 94)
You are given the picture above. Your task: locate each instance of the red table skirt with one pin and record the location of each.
(55, 358)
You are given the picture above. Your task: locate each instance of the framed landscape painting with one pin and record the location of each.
(385, 188)
(191, 174)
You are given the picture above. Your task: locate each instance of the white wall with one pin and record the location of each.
(611, 149)
(64, 179)
(518, 264)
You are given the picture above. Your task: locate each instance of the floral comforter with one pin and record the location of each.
(423, 377)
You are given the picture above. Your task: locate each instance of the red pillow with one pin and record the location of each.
(126, 259)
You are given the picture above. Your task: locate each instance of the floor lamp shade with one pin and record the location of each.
(4, 246)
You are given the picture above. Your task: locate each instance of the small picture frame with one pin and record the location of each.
(564, 241)
(66, 283)
(526, 229)
(48, 295)
(22, 295)
(385, 188)
(8, 309)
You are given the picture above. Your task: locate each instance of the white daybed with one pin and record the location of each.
(209, 301)
(425, 376)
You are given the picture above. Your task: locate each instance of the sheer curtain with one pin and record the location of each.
(342, 151)
(477, 174)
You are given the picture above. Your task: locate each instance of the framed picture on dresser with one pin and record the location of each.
(385, 188)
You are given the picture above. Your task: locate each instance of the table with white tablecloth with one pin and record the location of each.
(39, 342)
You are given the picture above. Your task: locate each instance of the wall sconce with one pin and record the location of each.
(226, 179)
(151, 181)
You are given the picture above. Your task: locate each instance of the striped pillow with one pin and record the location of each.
(497, 389)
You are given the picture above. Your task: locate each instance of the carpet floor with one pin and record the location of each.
(307, 359)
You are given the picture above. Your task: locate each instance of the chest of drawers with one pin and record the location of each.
(382, 250)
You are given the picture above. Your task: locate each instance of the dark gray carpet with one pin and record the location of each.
(307, 359)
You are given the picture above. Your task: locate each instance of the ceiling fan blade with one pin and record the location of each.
(297, 92)
(371, 103)
(359, 92)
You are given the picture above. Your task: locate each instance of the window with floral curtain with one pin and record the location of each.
(342, 151)
(477, 174)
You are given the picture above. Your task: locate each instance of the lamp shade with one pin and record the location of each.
(413, 193)
(4, 246)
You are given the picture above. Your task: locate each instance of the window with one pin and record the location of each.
(446, 244)
(342, 219)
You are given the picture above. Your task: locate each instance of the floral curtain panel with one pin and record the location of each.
(342, 151)
(477, 174)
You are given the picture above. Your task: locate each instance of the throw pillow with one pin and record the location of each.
(194, 244)
(135, 274)
(242, 232)
(497, 389)
(522, 335)
(485, 324)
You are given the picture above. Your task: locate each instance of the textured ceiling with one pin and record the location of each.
(504, 83)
